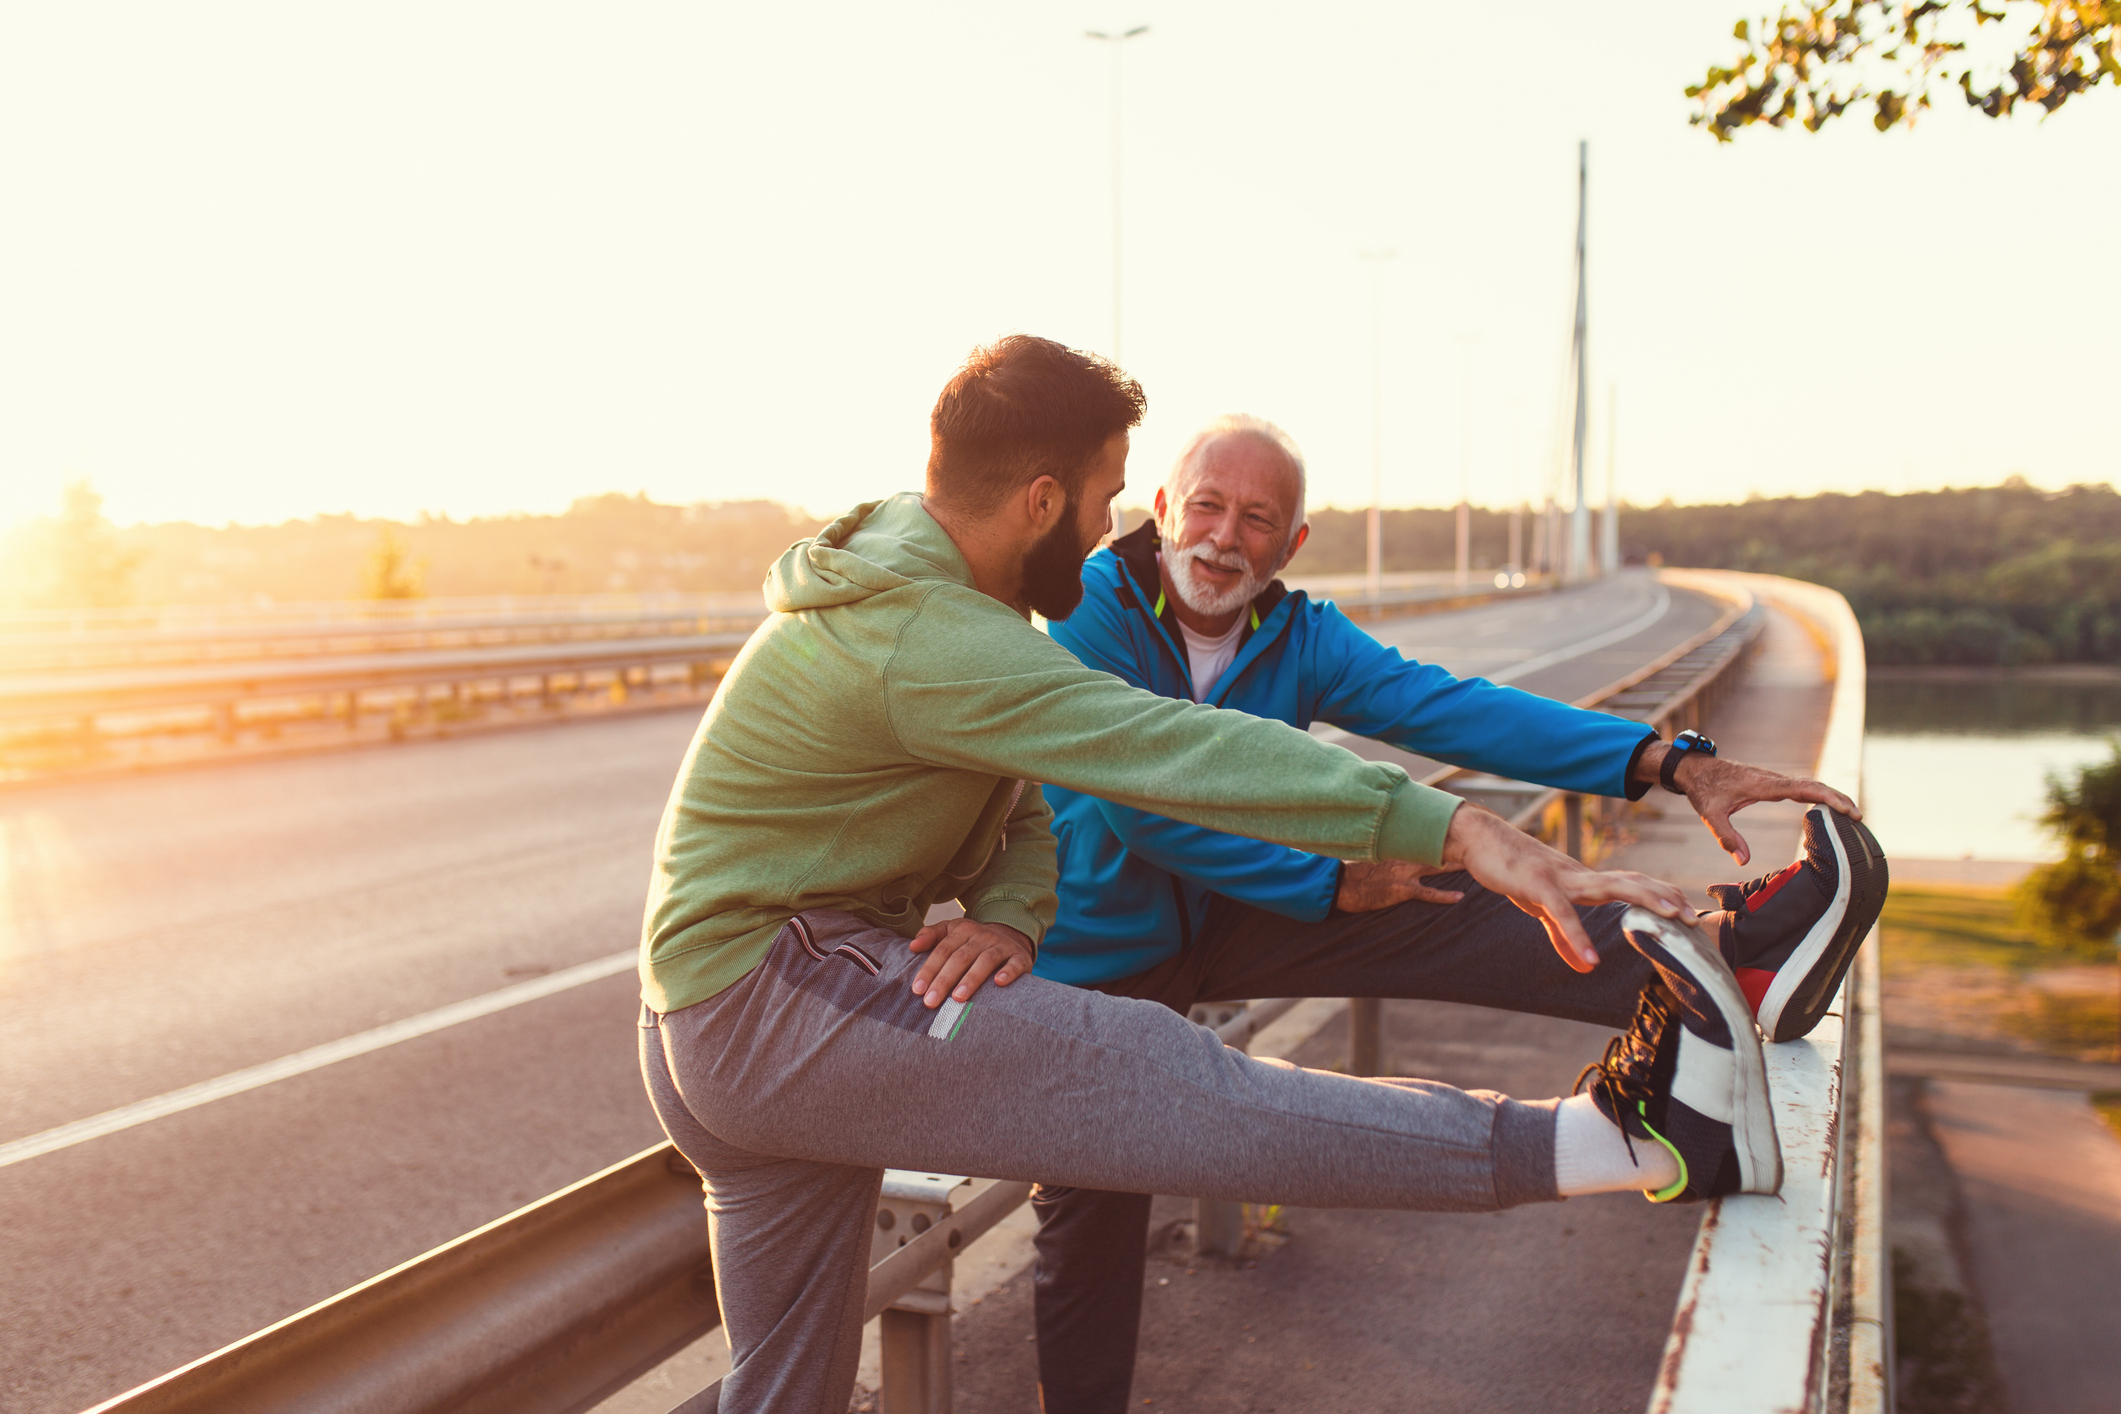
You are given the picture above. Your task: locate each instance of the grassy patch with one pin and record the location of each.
(2068, 1023)
(1941, 927)
(2108, 1104)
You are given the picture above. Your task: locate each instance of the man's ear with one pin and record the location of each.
(1303, 533)
(1045, 502)
(1159, 506)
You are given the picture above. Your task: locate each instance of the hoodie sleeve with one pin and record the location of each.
(970, 686)
(1017, 886)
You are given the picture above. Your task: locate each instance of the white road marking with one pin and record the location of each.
(1327, 732)
(1592, 644)
(315, 1058)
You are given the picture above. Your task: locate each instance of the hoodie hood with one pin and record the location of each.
(876, 547)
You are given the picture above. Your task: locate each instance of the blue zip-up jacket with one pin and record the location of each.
(1134, 887)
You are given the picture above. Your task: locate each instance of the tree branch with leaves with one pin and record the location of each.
(1813, 63)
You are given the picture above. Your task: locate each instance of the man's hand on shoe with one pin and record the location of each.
(1719, 789)
(966, 953)
(1367, 885)
(1546, 883)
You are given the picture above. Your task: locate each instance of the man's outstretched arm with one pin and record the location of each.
(1718, 789)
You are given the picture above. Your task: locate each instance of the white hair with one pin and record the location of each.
(1242, 424)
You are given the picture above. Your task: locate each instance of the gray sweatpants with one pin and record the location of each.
(794, 1089)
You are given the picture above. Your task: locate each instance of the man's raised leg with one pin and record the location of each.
(822, 1055)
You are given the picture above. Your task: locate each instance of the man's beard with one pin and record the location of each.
(1204, 598)
(1053, 570)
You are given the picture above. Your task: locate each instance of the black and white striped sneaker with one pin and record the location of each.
(1791, 935)
(1689, 1074)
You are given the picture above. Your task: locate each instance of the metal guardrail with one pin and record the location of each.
(273, 640)
(85, 673)
(180, 618)
(1787, 1303)
(555, 1307)
(1357, 604)
(84, 694)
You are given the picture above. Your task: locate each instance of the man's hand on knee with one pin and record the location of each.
(1546, 883)
(1367, 885)
(965, 953)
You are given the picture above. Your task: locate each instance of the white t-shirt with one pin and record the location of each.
(1209, 656)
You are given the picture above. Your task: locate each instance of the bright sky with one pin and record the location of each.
(268, 260)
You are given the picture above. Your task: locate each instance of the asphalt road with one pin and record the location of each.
(164, 930)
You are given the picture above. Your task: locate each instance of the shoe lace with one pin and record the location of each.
(1623, 1072)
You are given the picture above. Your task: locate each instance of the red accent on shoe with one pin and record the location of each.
(1754, 982)
(1771, 887)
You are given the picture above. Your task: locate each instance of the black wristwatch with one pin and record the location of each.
(1687, 743)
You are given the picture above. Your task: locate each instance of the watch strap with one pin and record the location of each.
(1668, 772)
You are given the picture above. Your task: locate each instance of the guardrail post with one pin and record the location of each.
(915, 1329)
(1572, 825)
(1218, 1225)
(1366, 1040)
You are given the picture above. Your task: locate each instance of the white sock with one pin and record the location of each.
(1591, 1155)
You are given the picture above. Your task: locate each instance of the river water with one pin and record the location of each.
(1957, 769)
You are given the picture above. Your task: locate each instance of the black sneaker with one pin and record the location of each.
(1688, 1074)
(1791, 935)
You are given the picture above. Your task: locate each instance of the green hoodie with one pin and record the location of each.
(870, 750)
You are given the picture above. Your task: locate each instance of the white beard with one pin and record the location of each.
(1203, 598)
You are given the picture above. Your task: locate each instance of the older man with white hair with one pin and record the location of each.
(1188, 606)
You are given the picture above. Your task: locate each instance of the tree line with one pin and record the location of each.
(2003, 575)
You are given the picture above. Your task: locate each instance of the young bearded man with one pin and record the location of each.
(1152, 907)
(876, 749)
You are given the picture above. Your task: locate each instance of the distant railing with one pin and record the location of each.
(73, 682)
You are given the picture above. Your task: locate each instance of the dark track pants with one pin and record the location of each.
(1087, 1284)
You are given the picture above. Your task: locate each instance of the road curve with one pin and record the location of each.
(158, 932)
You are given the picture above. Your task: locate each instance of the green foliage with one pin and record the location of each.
(390, 573)
(1814, 62)
(2076, 901)
(1942, 927)
(82, 564)
(2006, 574)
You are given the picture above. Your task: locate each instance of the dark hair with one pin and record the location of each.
(1022, 408)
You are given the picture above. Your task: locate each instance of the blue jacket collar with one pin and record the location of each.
(1141, 588)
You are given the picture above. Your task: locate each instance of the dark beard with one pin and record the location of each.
(1053, 571)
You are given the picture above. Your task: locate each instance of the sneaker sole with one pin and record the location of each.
(1805, 986)
(1752, 1119)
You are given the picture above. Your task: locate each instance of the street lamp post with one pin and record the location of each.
(1377, 259)
(1116, 41)
(1464, 556)
(1579, 353)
